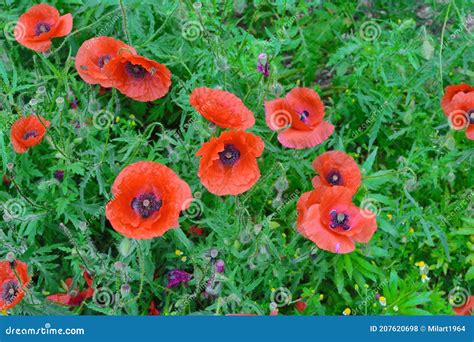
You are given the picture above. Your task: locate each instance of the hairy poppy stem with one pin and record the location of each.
(442, 45)
(125, 25)
(142, 275)
(26, 198)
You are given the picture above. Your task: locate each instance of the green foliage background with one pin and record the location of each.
(381, 89)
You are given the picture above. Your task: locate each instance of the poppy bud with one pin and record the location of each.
(125, 290)
(213, 253)
(125, 247)
(11, 257)
(119, 265)
(6, 180)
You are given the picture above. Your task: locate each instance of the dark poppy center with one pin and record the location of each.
(339, 220)
(470, 116)
(135, 70)
(31, 133)
(230, 155)
(103, 60)
(304, 115)
(334, 178)
(10, 291)
(42, 28)
(146, 204)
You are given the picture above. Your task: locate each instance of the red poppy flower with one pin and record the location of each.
(148, 198)
(301, 116)
(301, 306)
(196, 231)
(39, 25)
(306, 200)
(153, 310)
(229, 163)
(222, 108)
(13, 280)
(460, 108)
(94, 54)
(466, 309)
(335, 223)
(450, 93)
(27, 132)
(137, 77)
(6, 180)
(336, 168)
(74, 297)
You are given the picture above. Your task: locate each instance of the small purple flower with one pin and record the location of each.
(59, 175)
(176, 277)
(262, 65)
(74, 103)
(377, 296)
(220, 265)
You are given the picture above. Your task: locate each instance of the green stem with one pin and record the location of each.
(125, 24)
(442, 44)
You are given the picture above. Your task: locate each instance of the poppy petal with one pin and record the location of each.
(60, 298)
(470, 132)
(64, 25)
(222, 108)
(449, 93)
(307, 101)
(336, 168)
(279, 115)
(299, 139)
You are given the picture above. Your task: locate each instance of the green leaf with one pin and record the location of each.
(348, 263)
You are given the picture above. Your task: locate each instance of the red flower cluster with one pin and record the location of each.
(327, 215)
(39, 25)
(13, 280)
(112, 63)
(228, 164)
(148, 198)
(458, 106)
(301, 116)
(74, 297)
